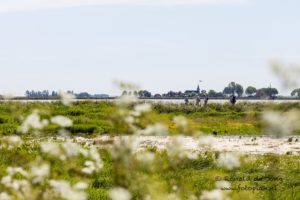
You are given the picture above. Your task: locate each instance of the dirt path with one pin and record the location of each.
(244, 145)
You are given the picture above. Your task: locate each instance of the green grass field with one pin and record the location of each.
(91, 118)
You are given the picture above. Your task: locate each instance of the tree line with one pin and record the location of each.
(232, 88)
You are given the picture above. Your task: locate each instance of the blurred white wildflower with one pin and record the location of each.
(145, 157)
(71, 149)
(90, 167)
(206, 141)
(66, 97)
(155, 129)
(228, 161)
(173, 197)
(142, 108)
(38, 173)
(16, 170)
(222, 184)
(12, 142)
(181, 121)
(119, 193)
(126, 100)
(81, 186)
(5, 196)
(62, 121)
(33, 121)
(214, 195)
(64, 190)
(51, 148)
(126, 85)
(124, 147)
(289, 75)
(281, 123)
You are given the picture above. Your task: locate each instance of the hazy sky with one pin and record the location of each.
(163, 45)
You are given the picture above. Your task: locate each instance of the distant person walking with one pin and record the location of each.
(198, 100)
(186, 101)
(205, 100)
(233, 99)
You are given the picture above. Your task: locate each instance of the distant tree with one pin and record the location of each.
(124, 93)
(266, 92)
(144, 94)
(233, 88)
(296, 92)
(250, 91)
(212, 93)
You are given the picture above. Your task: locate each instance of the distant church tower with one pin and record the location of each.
(198, 89)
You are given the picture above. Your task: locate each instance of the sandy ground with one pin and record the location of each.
(244, 145)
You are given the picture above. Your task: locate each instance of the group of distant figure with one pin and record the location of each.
(232, 100)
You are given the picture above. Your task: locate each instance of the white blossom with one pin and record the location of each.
(62, 121)
(64, 190)
(66, 98)
(214, 195)
(180, 121)
(50, 148)
(156, 129)
(119, 193)
(228, 161)
(39, 173)
(33, 121)
(142, 108)
(4, 196)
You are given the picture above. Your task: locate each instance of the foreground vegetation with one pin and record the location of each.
(93, 118)
(259, 177)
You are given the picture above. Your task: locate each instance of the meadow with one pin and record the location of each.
(44, 156)
(94, 118)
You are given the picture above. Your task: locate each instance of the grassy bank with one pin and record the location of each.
(100, 117)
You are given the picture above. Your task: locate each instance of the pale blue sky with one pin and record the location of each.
(160, 46)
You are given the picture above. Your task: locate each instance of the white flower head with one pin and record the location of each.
(33, 121)
(180, 121)
(65, 191)
(39, 173)
(14, 141)
(126, 100)
(5, 196)
(155, 129)
(62, 121)
(66, 97)
(228, 161)
(119, 193)
(214, 195)
(145, 157)
(142, 108)
(222, 184)
(281, 123)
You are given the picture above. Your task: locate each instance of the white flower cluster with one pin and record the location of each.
(64, 190)
(176, 150)
(62, 121)
(119, 193)
(33, 121)
(281, 124)
(10, 142)
(155, 129)
(68, 150)
(218, 193)
(181, 122)
(66, 98)
(228, 161)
